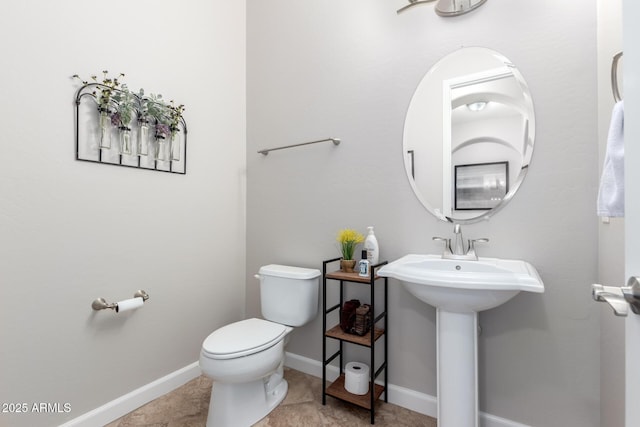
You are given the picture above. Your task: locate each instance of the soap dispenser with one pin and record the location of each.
(371, 246)
(363, 265)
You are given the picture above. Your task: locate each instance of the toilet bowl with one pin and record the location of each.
(245, 359)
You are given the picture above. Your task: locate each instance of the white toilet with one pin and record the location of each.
(245, 359)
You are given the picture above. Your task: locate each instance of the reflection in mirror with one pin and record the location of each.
(469, 134)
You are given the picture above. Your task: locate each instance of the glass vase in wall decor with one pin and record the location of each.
(142, 142)
(161, 148)
(175, 145)
(125, 140)
(105, 128)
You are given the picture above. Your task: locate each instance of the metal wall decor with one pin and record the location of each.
(115, 126)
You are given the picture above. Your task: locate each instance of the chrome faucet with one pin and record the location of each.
(458, 243)
(458, 251)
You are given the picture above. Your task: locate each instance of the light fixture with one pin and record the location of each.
(477, 106)
(413, 3)
(447, 8)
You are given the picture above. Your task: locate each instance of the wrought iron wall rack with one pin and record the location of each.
(88, 134)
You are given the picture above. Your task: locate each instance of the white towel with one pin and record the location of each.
(611, 194)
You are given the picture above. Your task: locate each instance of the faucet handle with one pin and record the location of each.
(482, 240)
(447, 243)
(472, 245)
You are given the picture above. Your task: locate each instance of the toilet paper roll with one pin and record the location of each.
(356, 378)
(129, 304)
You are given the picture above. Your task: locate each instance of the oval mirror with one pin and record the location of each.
(468, 135)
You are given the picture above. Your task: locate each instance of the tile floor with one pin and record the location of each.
(187, 406)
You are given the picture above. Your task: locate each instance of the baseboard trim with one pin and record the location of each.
(401, 396)
(124, 404)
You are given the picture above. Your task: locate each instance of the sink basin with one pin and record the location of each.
(463, 285)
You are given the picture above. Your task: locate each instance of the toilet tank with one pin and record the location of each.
(289, 295)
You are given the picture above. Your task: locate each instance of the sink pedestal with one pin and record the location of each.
(457, 345)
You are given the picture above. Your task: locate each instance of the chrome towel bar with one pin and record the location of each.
(336, 141)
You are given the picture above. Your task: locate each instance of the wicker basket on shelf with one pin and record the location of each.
(355, 318)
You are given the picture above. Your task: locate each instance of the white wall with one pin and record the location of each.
(72, 231)
(348, 70)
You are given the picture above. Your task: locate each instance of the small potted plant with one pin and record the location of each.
(348, 240)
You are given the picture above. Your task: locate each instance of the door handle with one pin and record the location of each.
(631, 293)
(619, 298)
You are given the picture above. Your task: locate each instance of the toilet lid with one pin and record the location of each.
(242, 338)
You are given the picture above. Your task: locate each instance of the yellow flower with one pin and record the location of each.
(348, 240)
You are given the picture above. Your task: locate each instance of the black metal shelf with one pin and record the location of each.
(336, 389)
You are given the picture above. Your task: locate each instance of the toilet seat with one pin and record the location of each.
(242, 338)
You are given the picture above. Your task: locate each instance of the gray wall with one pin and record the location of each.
(73, 231)
(348, 70)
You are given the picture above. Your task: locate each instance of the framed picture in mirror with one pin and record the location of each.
(480, 186)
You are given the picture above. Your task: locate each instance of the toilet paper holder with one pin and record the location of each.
(101, 303)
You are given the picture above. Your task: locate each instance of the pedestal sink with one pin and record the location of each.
(459, 289)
